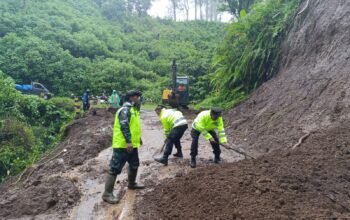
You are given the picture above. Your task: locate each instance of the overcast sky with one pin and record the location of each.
(160, 8)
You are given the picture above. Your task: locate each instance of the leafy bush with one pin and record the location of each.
(29, 126)
(70, 46)
(249, 54)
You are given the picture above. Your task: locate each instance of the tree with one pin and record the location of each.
(113, 9)
(140, 7)
(174, 6)
(195, 9)
(185, 5)
(200, 3)
(236, 6)
(206, 10)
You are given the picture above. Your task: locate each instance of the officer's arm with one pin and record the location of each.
(124, 119)
(221, 131)
(165, 125)
(201, 128)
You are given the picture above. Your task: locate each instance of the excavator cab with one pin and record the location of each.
(182, 84)
(179, 92)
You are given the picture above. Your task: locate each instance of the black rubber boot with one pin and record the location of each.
(132, 178)
(163, 160)
(193, 162)
(108, 193)
(178, 154)
(217, 159)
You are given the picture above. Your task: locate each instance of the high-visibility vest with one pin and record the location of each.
(135, 130)
(204, 123)
(171, 118)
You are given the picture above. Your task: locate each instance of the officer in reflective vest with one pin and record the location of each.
(126, 141)
(174, 125)
(205, 123)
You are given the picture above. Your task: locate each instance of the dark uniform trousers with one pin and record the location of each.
(174, 139)
(120, 157)
(194, 146)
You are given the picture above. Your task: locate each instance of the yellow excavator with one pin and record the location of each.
(179, 90)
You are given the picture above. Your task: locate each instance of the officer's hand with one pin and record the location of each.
(212, 141)
(166, 141)
(129, 148)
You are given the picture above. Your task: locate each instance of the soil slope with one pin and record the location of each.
(44, 188)
(311, 181)
(309, 96)
(312, 88)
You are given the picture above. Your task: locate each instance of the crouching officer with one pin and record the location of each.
(175, 125)
(205, 123)
(126, 141)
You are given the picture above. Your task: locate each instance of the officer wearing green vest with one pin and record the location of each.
(126, 141)
(205, 123)
(174, 125)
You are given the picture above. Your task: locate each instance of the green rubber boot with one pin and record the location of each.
(132, 178)
(109, 186)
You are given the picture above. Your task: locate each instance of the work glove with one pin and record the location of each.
(212, 141)
(129, 148)
(166, 140)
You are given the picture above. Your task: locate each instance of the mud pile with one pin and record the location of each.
(44, 187)
(312, 87)
(310, 181)
(309, 95)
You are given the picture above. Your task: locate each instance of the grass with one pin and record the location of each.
(148, 106)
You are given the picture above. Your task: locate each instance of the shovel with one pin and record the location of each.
(238, 151)
(159, 152)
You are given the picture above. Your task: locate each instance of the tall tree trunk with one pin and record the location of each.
(186, 6)
(195, 9)
(200, 9)
(215, 10)
(174, 4)
(206, 10)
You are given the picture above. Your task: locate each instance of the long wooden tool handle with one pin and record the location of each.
(237, 151)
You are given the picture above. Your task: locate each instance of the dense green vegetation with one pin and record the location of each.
(249, 54)
(29, 126)
(72, 45)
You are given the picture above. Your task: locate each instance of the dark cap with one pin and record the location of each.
(132, 93)
(216, 111)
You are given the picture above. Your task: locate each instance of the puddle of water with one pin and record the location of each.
(128, 205)
(92, 206)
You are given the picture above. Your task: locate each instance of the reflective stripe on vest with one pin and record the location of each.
(172, 118)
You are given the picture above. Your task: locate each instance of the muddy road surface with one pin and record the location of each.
(68, 183)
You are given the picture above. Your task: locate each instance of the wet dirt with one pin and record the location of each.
(309, 94)
(48, 188)
(150, 173)
(311, 89)
(69, 182)
(309, 182)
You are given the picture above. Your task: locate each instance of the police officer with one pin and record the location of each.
(205, 123)
(175, 125)
(126, 141)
